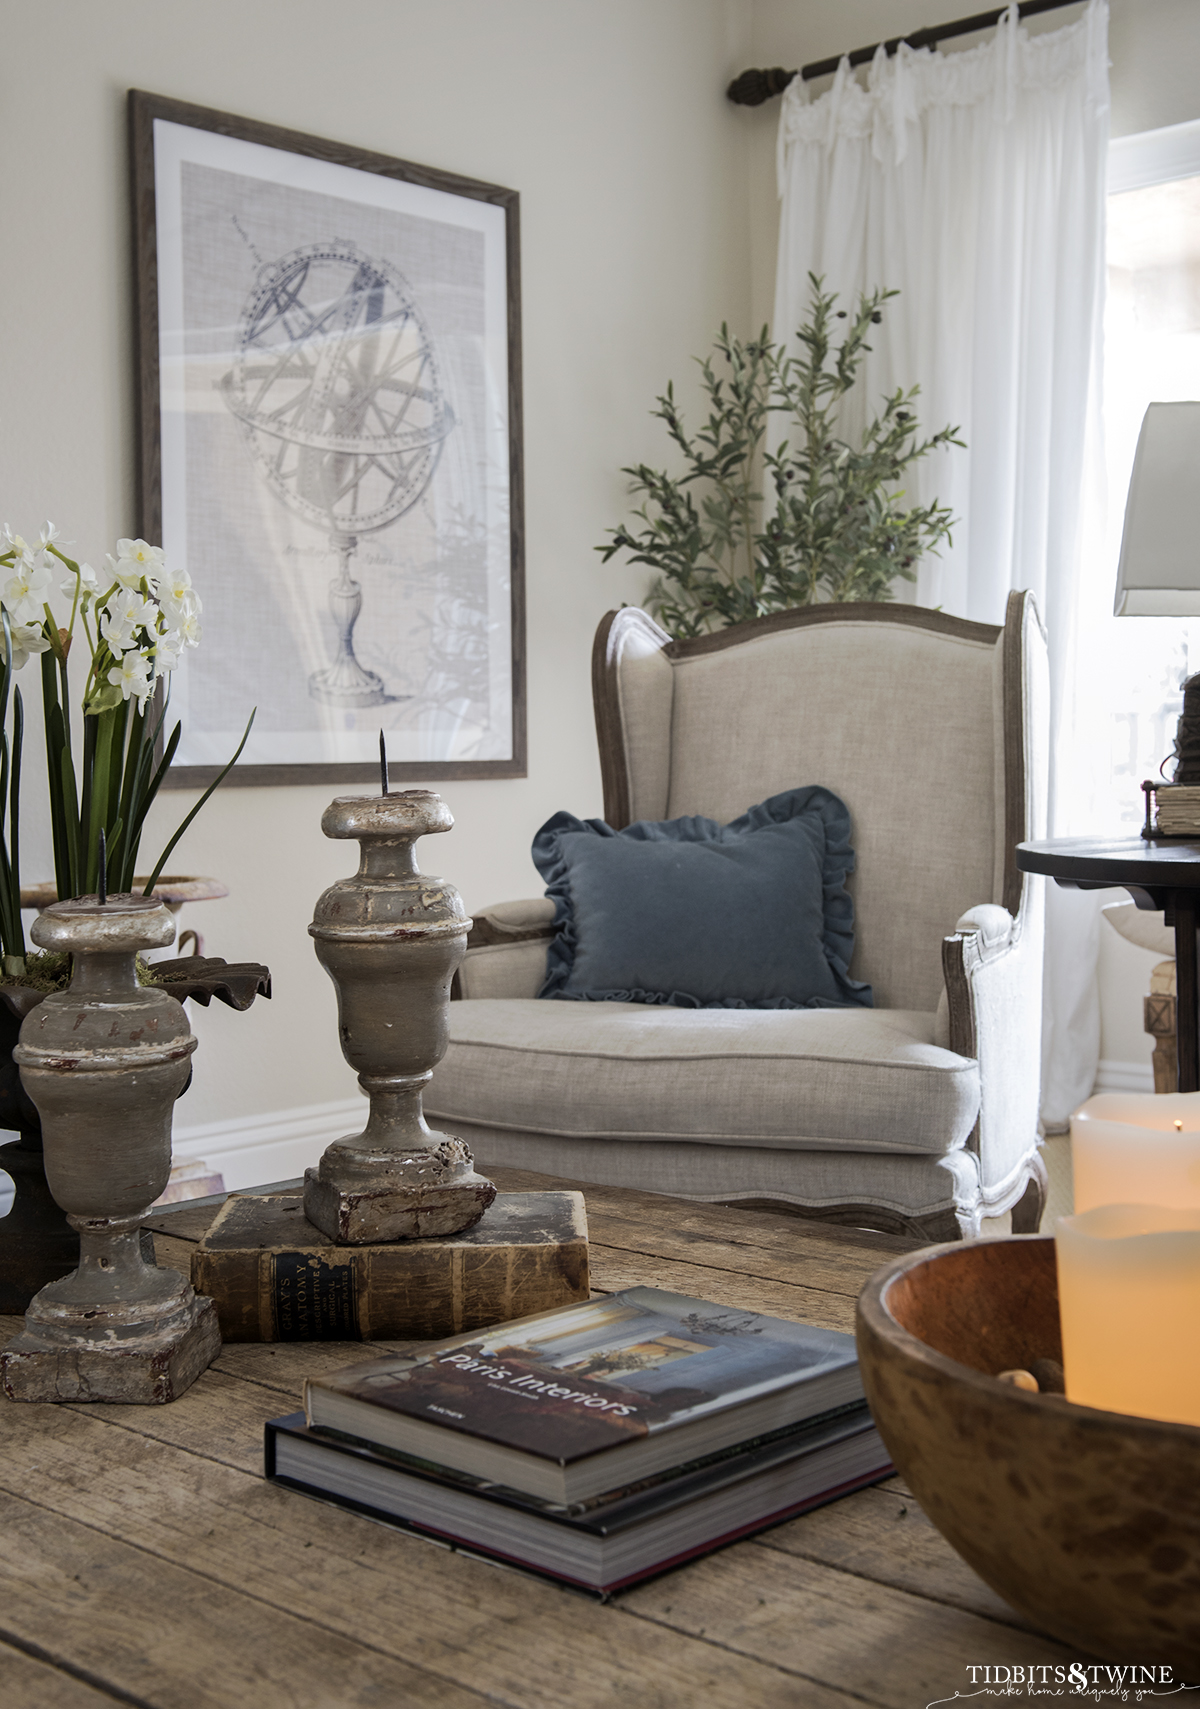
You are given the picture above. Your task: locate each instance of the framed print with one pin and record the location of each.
(330, 445)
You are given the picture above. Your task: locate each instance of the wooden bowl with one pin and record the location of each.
(1087, 1522)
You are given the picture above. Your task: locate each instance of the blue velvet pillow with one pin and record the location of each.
(752, 915)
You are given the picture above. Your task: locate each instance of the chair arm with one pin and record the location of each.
(506, 951)
(512, 922)
(991, 923)
(993, 970)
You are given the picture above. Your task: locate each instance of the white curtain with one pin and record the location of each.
(973, 183)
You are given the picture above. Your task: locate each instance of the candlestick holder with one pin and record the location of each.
(104, 1062)
(391, 938)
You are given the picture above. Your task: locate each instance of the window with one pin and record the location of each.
(1151, 353)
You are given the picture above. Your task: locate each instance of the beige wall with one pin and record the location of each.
(608, 116)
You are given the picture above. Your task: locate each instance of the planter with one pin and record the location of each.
(37, 1244)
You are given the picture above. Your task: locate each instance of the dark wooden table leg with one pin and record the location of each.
(1187, 1009)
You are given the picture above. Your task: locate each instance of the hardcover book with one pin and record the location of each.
(588, 1398)
(275, 1277)
(1178, 806)
(610, 1541)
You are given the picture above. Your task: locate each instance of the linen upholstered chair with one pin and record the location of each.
(919, 1114)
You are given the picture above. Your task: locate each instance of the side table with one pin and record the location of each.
(1158, 875)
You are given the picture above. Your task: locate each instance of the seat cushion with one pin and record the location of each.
(863, 1079)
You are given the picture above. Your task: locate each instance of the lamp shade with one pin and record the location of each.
(1159, 572)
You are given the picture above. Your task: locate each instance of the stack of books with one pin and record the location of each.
(597, 1443)
(1178, 809)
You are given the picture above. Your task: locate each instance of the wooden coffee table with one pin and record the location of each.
(147, 1562)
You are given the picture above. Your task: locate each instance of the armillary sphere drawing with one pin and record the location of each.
(336, 388)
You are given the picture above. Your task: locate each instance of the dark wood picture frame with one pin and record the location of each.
(143, 110)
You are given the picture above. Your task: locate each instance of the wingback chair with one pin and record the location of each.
(917, 1115)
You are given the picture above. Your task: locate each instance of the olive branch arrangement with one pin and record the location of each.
(836, 527)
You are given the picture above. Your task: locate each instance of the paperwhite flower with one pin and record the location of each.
(25, 590)
(88, 585)
(48, 534)
(26, 640)
(177, 608)
(174, 584)
(136, 559)
(188, 629)
(166, 653)
(28, 555)
(127, 612)
(130, 676)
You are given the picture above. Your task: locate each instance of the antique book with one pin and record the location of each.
(604, 1543)
(277, 1278)
(593, 1397)
(1178, 809)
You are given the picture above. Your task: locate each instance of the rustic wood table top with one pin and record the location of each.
(147, 1562)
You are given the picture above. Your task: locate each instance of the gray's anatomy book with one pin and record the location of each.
(588, 1398)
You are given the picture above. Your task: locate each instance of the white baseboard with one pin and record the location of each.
(251, 1150)
(1124, 1077)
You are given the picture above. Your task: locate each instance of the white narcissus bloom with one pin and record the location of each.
(26, 640)
(25, 590)
(188, 630)
(177, 608)
(166, 653)
(48, 534)
(13, 542)
(174, 584)
(88, 585)
(130, 676)
(127, 612)
(136, 559)
(27, 555)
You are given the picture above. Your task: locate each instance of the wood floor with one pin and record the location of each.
(146, 1562)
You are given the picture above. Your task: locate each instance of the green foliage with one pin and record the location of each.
(834, 527)
(12, 932)
(50, 970)
(108, 779)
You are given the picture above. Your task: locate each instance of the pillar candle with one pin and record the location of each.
(1129, 1302)
(1129, 1148)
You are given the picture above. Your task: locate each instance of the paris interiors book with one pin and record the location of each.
(611, 1540)
(594, 1397)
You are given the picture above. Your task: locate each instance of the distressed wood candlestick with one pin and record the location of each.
(104, 1062)
(391, 938)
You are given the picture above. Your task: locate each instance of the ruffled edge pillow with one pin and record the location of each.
(837, 941)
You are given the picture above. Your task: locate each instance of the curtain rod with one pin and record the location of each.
(752, 88)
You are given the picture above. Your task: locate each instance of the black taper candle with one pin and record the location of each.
(102, 864)
(383, 772)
